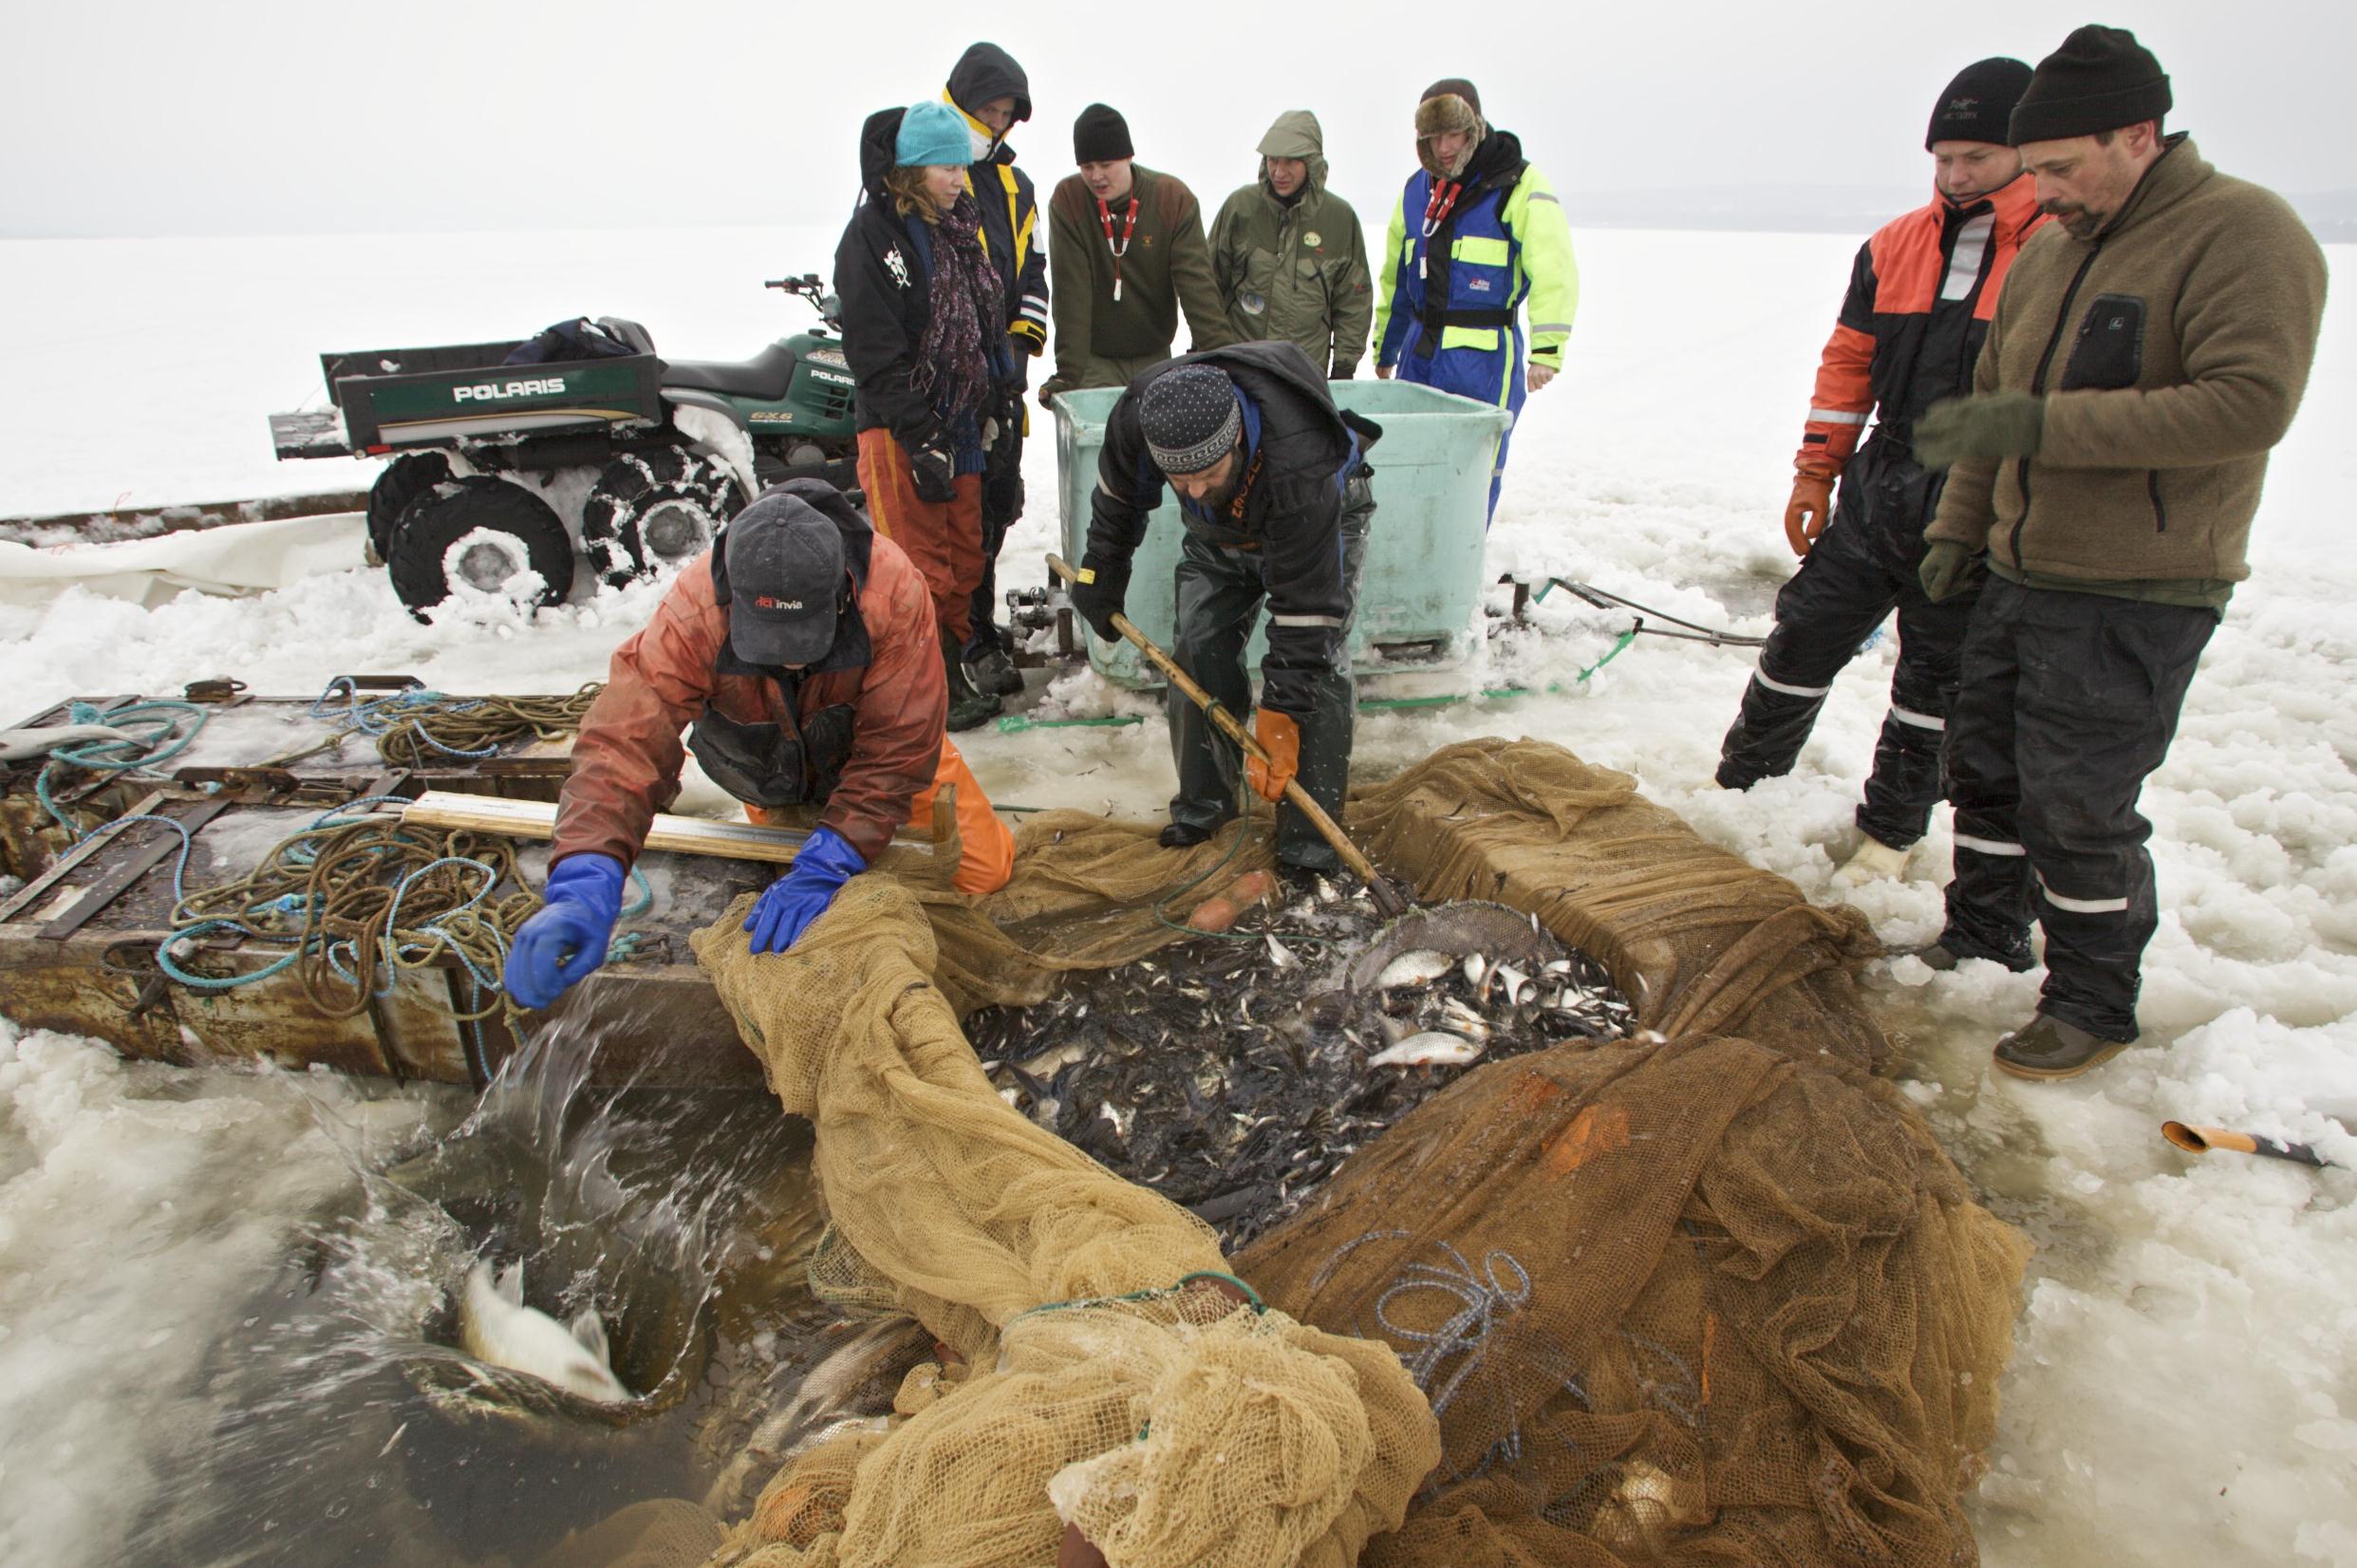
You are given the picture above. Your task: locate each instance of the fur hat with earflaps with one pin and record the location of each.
(1448, 104)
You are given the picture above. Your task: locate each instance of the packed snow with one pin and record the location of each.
(2184, 1381)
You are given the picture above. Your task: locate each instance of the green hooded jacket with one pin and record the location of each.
(1295, 273)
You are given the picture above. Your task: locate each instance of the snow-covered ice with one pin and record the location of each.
(2184, 1382)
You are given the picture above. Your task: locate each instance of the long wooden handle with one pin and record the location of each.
(1216, 711)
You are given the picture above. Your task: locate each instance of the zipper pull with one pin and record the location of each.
(1116, 287)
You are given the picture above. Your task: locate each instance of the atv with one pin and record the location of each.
(505, 462)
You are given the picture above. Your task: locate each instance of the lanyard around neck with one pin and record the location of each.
(1118, 247)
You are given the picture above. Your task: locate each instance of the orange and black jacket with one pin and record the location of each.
(884, 667)
(1921, 297)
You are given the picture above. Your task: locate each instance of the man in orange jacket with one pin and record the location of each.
(1921, 297)
(802, 658)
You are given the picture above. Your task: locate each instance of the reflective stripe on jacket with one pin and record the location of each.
(1920, 296)
(1506, 244)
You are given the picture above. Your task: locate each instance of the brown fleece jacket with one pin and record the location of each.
(2171, 350)
(1167, 269)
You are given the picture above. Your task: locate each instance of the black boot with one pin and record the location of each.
(1183, 835)
(2049, 1047)
(968, 708)
(989, 669)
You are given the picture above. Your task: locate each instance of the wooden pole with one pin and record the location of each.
(1385, 896)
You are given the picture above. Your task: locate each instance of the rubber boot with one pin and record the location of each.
(968, 708)
(1874, 862)
(2050, 1048)
(990, 670)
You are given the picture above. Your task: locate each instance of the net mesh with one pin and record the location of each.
(969, 1216)
(1713, 1294)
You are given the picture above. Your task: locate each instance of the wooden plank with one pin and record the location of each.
(132, 867)
(535, 820)
(26, 896)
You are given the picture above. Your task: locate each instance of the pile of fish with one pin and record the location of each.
(1233, 1073)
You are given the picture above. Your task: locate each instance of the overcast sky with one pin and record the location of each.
(137, 117)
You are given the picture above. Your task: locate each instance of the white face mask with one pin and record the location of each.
(982, 141)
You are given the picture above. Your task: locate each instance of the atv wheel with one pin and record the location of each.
(404, 480)
(477, 532)
(654, 512)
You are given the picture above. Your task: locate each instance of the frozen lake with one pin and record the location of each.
(2187, 1346)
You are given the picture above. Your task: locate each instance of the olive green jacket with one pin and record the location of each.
(2171, 351)
(1295, 272)
(1165, 270)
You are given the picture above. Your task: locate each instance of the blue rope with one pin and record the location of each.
(381, 716)
(118, 757)
(301, 851)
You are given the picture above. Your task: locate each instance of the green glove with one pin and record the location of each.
(1999, 424)
(1947, 570)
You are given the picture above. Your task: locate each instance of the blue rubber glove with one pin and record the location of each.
(787, 907)
(568, 936)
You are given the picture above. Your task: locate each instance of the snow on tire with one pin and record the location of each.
(654, 512)
(479, 535)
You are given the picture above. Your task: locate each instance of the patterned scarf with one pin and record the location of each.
(970, 305)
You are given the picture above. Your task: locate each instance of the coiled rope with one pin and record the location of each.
(154, 735)
(412, 727)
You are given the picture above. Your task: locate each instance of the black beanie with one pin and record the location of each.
(1456, 84)
(1100, 136)
(2100, 80)
(1979, 103)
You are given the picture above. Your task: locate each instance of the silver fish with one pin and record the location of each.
(1421, 967)
(1457, 1019)
(1430, 1049)
(1280, 955)
(496, 1327)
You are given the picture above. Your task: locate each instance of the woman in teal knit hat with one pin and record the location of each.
(924, 329)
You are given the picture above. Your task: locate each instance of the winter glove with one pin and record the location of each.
(1805, 515)
(1343, 371)
(1995, 424)
(1947, 570)
(566, 939)
(1279, 735)
(1049, 389)
(787, 907)
(1099, 595)
(933, 472)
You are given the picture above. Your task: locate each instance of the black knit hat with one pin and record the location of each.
(1189, 418)
(2100, 80)
(1100, 136)
(1456, 84)
(1979, 103)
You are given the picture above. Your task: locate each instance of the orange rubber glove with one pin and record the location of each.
(1281, 737)
(1804, 516)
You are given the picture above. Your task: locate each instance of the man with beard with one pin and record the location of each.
(1273, 483)
(1920, 296)
(1477, 234)
(2151, 347)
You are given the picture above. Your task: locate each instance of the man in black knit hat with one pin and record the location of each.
(1126, 254)
(2151, 347)
(1920, 296)
(1276, 494)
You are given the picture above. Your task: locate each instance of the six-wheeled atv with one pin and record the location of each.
(501, 469)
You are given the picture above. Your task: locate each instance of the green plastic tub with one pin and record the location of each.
(1422, 580)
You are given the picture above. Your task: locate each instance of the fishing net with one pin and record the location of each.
(1690, 1302)
(1711, 1295)
(1175, 1422)
(1701, 941)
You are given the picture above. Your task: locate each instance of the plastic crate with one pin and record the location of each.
(1422, 579)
